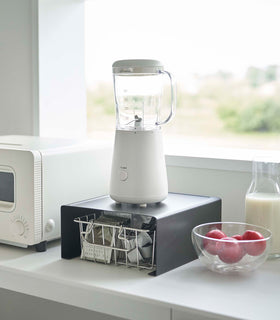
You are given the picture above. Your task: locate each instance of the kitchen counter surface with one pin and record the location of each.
(184, 293)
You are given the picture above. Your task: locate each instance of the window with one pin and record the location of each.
(223, 54)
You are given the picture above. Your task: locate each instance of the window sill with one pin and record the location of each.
(229, 159)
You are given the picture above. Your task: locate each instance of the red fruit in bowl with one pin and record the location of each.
(237, 237)
(254, 248)
(210, 245)
(229, 250)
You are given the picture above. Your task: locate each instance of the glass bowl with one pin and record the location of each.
(230, 255)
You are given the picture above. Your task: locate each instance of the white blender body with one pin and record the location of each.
(138, 173)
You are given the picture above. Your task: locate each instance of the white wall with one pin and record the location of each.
(223, 173)
(230, 186)
(42, 81)
(17, 63)
(62, 89)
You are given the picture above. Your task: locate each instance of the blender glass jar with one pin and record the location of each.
(138, 87)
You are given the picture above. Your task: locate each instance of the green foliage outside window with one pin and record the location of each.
(258, 109)
(259, 115)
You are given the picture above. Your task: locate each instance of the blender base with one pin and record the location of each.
(138, 173)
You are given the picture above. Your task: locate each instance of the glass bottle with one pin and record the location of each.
(262, 204)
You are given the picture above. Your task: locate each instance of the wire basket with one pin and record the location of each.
(110, 242)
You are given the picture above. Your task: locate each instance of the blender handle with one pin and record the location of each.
(173, 100)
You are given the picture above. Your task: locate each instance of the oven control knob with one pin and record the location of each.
(18, 227)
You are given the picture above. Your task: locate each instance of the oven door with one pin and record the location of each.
(20, 197)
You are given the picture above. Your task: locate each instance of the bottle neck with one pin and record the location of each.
(265, 178)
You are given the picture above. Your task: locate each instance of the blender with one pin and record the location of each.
(138, 174)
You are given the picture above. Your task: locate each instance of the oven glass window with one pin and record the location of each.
(6, 187)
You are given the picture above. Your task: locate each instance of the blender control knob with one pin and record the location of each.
(123, 175)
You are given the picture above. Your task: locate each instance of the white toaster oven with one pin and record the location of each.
(37, 176)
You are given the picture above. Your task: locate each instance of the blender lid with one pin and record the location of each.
(137, 66)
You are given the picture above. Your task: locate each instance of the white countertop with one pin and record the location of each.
(133, 294)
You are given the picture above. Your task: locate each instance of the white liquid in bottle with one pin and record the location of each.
(263, 209)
